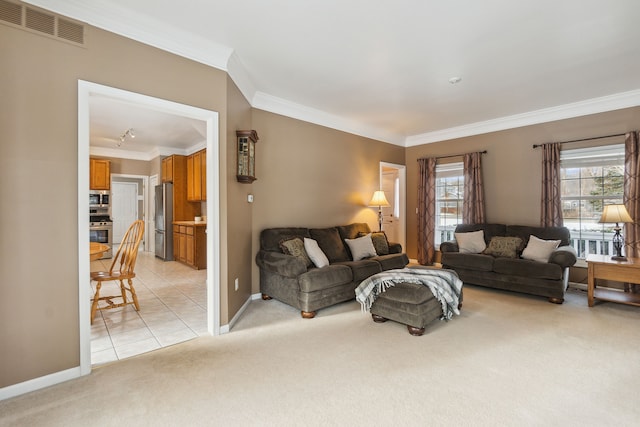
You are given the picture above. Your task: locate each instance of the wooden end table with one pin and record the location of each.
(603, 267)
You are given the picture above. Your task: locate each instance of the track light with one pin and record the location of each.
(128, 133)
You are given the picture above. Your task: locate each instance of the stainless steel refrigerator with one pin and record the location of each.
(164, 221)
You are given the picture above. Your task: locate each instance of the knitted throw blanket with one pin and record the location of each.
(444, 284)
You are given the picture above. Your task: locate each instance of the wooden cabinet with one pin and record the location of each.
(190, 244)
(197, 176)
(174, 170)
(167, 169)
(99, 174)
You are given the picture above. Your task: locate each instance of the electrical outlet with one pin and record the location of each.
(236, 284)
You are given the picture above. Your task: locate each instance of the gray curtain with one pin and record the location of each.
(632, 194)
(426, 210)
(551, 210)
(473, 210)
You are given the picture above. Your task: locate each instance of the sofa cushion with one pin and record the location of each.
(539, 250)
(468, 261)
(270, 238)
(295, 247)
(546, 233)
(331, 244)
(362, 269)
(471, 242)
(315, 253)
(392, 261)
(527, 268)
(351, 231)
(490, 230)
(361, 247)
(380, 242)
(317, 279)
(508, 247)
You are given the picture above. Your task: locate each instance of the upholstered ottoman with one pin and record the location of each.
(408, 303)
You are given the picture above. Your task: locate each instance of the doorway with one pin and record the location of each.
(210, 118)
(393, 183)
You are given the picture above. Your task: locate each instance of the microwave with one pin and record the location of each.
(99, 198)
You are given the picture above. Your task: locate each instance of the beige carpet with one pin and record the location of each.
(508, 360)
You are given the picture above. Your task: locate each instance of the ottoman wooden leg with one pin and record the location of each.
(378, 319)
(416, 332)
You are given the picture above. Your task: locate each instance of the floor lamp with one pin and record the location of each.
(379, 200)
(616, 214)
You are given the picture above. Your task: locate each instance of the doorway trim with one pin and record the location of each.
(402, 174)
(211, 118)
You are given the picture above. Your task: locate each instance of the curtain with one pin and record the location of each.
(473, 210)
(551, 211)
(426, 210)
(631, 196)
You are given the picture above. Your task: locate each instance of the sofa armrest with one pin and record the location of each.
(395, 248)
(564, 256)
(282, 264)
(450, 246)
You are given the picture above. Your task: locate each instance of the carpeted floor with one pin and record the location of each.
(508, 360)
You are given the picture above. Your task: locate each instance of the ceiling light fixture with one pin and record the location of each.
(128, 133)
(454, 80)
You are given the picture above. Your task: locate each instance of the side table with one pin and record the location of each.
(603, 267)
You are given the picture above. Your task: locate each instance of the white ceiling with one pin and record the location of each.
(381, 69)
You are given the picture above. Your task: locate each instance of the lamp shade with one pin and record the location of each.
(379, 199)
(615, 213)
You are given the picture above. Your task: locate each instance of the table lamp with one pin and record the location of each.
(616, 214)
(379, 200)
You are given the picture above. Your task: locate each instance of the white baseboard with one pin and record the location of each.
(39, 383)
(224, 329)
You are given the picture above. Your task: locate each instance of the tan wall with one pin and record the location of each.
(239, 226)
(38, 172)
(128, 166)
(511, 167)
(312, 176)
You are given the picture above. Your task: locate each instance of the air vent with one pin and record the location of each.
(10, 12)
(41, 22)
(70, 31)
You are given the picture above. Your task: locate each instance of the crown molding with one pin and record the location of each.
(119, 153)
(143, 29)
(567, 111)
(283, 107)
(140, 28)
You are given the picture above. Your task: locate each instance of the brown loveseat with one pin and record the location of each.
(288, 278)
(547, 278)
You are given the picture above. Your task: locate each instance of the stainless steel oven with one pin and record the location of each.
(101, 231)
(99, 199)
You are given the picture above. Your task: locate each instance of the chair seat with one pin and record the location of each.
(114, 275)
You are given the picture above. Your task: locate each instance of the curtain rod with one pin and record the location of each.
(583, 139)
(454, 155)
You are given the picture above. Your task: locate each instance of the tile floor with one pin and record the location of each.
(173, 306)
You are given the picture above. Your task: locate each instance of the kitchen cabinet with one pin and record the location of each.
(174, 170)
(99, 174)
(197, 176)
(190, 243)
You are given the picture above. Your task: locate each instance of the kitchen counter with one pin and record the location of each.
(191, 223)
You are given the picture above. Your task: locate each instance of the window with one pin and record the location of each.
(590, 179)
(449, 195)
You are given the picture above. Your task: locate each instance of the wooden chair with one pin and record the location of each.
(122, 268)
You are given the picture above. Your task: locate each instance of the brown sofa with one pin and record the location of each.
(288, 279)
(548, 279)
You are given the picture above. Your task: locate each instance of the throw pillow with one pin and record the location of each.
(361, 247)
(315, 253)
(380, 241)
(539, 250)
(471, 242)
(295, 247)
(507, 247)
